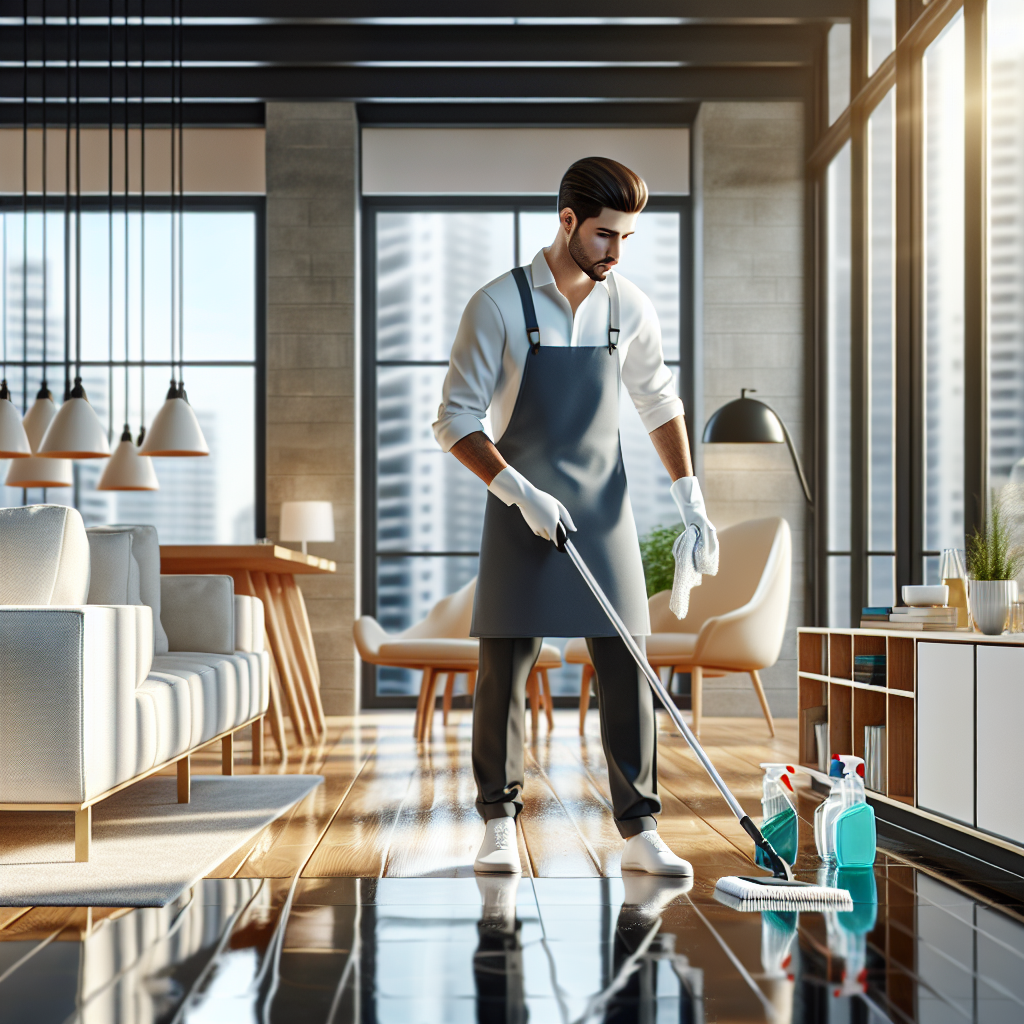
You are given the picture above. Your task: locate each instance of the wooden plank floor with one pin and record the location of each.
(392, 808)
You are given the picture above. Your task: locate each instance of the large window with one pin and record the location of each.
(207, 500)
(1005, 242)
(932, 144)
(428, 509)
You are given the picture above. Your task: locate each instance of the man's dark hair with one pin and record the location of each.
(596, 182)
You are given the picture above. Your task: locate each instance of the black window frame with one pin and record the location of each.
(372, 205)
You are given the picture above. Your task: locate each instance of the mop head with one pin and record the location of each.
(747, 892)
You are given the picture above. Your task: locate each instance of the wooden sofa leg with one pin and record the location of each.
(185, 779)
(759, 689)
(83, 835)
(257, 742)
(227, 754)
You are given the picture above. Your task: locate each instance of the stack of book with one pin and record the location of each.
(929, 618)
(869, 668)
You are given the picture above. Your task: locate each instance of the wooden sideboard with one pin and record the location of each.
(952, 704)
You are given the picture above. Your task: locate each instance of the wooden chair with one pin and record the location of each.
(735, 623)
(439, 646)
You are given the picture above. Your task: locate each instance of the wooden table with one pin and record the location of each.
(268, 572)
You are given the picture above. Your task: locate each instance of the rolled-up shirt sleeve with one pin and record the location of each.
(473, 372)
(646, 377)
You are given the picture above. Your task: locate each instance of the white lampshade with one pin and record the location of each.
(127, 470)
(14, 442)
(307, 521)
(76, 431)
(175, 430)
(39, 417)
(39, 472)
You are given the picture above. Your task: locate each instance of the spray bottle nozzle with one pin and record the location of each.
(846, 764)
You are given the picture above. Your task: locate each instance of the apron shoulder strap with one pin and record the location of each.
(613, 313)
(529, 311)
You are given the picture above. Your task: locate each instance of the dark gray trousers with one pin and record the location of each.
(628, 729)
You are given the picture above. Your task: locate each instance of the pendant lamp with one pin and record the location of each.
(36, 471)
(175, 431)
(76, 431)
(13, 439)
(127, 470)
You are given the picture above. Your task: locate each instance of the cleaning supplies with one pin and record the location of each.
(776, 891)
(847, 931)
(853, 830)
(780, 826)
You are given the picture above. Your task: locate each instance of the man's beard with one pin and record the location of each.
(597, 270)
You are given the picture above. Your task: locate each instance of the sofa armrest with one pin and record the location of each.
(198, 613)
(249, 624)
(67, 689)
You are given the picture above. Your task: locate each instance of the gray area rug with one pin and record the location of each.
(146, 847)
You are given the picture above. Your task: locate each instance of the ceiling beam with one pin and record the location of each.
(700, 45)
(362, 84)
(621, 115)
(756, 12)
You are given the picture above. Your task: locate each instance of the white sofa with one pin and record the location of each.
(110, 671)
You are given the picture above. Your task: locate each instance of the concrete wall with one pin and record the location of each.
(751, 186)
(311, 167)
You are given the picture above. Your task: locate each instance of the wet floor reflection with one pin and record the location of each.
(915, 948)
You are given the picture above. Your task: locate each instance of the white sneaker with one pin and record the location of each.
(648, 852)
(499, 852)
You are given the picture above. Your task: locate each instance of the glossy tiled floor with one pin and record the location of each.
(926, 942)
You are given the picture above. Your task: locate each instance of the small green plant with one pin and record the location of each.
(656, 552)
(990, 555)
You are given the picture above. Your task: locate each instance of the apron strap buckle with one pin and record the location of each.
(533, 336)
(613, 345)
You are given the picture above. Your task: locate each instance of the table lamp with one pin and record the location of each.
(307, 521)
(749, 421)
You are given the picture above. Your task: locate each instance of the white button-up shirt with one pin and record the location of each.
(491, 347)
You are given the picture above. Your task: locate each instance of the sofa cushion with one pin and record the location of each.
(146, 550)
(172, 706)
(204, 697)
(114, 570)
(199, 613)
(233, 689)
(45, 556)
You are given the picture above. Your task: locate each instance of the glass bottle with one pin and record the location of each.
(954, 576)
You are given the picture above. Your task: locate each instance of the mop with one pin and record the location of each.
(778, 891)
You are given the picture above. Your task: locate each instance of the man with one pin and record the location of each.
(544, 349)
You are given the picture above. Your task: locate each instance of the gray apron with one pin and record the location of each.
(564, 438)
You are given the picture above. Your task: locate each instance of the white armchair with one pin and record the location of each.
(86, 707)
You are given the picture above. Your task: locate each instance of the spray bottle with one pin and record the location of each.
(853, 828)
(829, 807)
(780, 827)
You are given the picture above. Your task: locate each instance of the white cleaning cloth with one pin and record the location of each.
(695, 549)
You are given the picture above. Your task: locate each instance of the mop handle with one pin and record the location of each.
(656, 684)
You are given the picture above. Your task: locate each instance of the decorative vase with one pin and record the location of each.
(991, 601)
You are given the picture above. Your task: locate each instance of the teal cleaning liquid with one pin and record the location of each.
(782, 831)
(855, 839)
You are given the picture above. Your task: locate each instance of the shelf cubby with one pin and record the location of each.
(899, 663)
(899, 737)
(868, 709)
(840, 656)
(840, 718)
(811, 656)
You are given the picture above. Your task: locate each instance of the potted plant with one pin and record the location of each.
(656, 553)
(992, 565)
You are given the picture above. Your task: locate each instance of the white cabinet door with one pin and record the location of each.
(1000, 721)
(945, 730)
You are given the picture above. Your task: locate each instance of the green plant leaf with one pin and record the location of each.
(656, 553)
(992, 555)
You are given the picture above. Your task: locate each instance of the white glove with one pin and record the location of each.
(541, 511)
(690, 502)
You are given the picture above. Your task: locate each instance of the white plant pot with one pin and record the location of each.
(990, 604)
